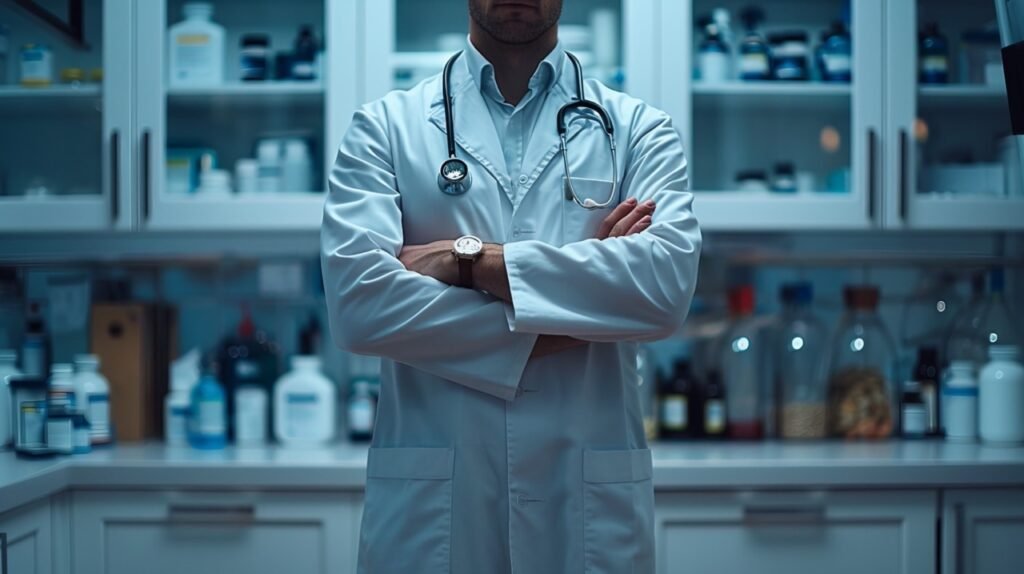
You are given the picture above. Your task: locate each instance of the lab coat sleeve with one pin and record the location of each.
(626, 288)
(378, 307)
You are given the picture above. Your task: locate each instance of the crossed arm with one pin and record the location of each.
(489, 275)
(396, 301)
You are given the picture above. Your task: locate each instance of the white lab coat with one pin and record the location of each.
(484, 460)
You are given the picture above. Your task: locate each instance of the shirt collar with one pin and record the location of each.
(544, 77)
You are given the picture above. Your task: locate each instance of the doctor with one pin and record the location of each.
(509, 436)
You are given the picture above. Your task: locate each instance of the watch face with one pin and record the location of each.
(468, 245)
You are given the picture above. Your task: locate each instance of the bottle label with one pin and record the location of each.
(62, 399)
(714, 417)
(754, 64)
(32, 424)
(360, 416)
(59, 435)
(301, 415)
(176, 425)
(98, 413)
(837, 63)
(33, 359)
(915, 420)
(673, 412)
(193, 54)
(211, 418)
(934, 64)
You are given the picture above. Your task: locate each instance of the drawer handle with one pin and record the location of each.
(211, 514)
(762, 515)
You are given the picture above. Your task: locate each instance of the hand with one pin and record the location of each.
(433, 260)
(626, 219)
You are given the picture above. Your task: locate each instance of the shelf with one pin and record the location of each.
(16, 99)
(772, 94)
(962, 95)
(767, 211)
(255, 93)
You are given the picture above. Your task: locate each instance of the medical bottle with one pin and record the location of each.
(713, 56)
(800, 347)
(835, 54)
(960, 403)
(196, 48)
(250, 415)
(741, 364)
(61, 395)
(93, 390)
(35, 350)
(913, 413)
(207, 422)
(676, 402)
(1001, 397)
(8, 359)
(304, 405)
(755, 57)
(714, 416)
(933, 53)
(304, 57)
(926, 374)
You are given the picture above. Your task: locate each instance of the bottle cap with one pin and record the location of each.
(741, 300)
(997, 280)
(928, 355)
(8, 356)
(86, 362)
(862, 297)
(1004, 352)
(797, 292)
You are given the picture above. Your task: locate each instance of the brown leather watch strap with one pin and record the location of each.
(465, 272)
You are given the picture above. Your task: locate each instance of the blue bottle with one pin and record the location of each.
(755, 57)
(933, 54)
(835, 54)
(207, 418)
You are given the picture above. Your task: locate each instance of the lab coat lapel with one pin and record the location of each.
(544, 142)
(474, 130)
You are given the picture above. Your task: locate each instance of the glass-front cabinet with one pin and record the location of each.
(65, 116)
(954, 163)
(233, 112)
(779, 104)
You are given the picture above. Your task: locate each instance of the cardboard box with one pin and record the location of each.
(135, 342)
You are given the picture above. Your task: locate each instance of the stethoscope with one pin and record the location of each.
(454, 178)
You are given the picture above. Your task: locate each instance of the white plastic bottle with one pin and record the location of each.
(250, 415)
(196, 48)
(8, 358)
(304, 405)
(184, 374)
(1001, 397)
(92, 394)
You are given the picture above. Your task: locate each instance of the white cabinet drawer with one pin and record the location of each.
(776, 533)
(212, 532)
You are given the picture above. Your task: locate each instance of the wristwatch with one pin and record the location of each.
(467, 250)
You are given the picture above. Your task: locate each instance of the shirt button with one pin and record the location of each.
(523, 179)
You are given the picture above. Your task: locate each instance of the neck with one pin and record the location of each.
(514, 64)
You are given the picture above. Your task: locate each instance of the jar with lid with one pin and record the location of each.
(784, 180)
(861, 396)
(255, 57)
(960, 403)
(741, 364)
(752, 180)
(1001, 397)
(800, 346)
(789, 56)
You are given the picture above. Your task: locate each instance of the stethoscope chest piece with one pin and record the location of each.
(454, 177)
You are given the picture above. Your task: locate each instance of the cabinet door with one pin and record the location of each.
(982, 531)
(64, 141)
(777, 533)
(743, 136)
(249, 149)
(28, 530)
(950, 162)
(212, 533)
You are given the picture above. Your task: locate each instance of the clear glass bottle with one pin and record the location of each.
(835, 54)
(997, 326)
(800, 349)
(962, 343)
(861, 393)
(741, 367)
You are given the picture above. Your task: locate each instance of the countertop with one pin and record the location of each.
(677, 466)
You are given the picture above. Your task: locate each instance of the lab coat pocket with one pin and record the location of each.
(579, 223)
(618, 512)
(407, 515)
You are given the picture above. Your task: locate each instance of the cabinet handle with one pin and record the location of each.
(211, 514)
(3, 553)
(958, 542)
(764, 515)
(872, 171)
(115, 175)
(145, 174)
(903, 174)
